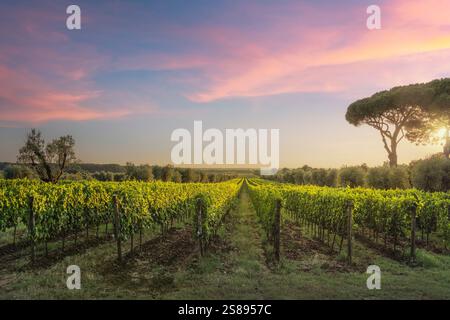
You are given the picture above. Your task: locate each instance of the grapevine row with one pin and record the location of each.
(69, 207)
(384, 215)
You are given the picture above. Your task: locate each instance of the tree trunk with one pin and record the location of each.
(393, 159)
(276, 230)
(447, 144)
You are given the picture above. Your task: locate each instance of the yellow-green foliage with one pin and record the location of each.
(386, 212)
(69, 206)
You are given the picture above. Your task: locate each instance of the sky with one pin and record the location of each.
(137, 70)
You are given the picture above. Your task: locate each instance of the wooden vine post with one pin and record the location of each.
(413, 234)
(140, 236)
(199, 224)
(117, 228)
(349, 231)
(15, 232)
(31, 229)
(63, 239)
(86, 215)
(276, 230)
(132, 240)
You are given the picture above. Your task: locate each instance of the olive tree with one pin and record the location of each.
(50, 160)
(18, 172)
(352, 177)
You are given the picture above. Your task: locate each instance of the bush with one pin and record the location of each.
(118, 177)
(103, 176)
(157, 172)
(140, 173)
(378, 177)
(78, 176)
(332, 177)
(298, 176)
(388, 178)
(352, 177)
(204, 177)
(432, 174)
(189, 175)
(18, 172)
(399, 178)
(285, 175)
(319, 177)
(177, 177)
(308, 178)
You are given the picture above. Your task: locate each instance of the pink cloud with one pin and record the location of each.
(45, 76)
(408, 29)
(325, 51)
(151, 61)
(25, 97)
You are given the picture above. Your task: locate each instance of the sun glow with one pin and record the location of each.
(442, 133)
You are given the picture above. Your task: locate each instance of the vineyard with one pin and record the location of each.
(222, 239)
(393, 217)
(53, 211)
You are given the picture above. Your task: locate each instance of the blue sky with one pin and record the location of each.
(137, 70)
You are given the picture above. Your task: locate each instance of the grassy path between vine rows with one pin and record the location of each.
(235, 267)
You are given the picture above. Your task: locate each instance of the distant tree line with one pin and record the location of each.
(55, 161)
(162, 173)
(96, 167)
(431, 174)
(128, 172)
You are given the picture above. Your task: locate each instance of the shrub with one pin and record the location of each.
(298, 176)
(351, 177)
(103, 176)
(120, 177)
(331, 178)
(378, 177)
(432, 174)
(177, 177)
(319, 177)
(140, 173)
(399, 178)
(18, 172)
(308, 178)
(203, 177)
(78, 176)
(388, 178)
(285, 175)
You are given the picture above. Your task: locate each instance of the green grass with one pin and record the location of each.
(236, 268)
